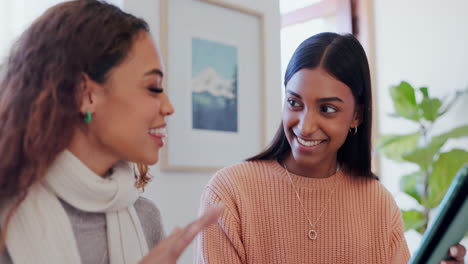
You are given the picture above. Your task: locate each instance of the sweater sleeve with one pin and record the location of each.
(399, 252)
(222, 241)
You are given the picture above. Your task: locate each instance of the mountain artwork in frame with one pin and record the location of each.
(214, 86)
(213, 53)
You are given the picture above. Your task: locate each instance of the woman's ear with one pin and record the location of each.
(89, 93)
(357, 119)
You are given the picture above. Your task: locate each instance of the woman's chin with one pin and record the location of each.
(148, 159)
(151, 161)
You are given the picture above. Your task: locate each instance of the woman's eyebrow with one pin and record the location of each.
(330, 99)
(293, 93)
(155, 71)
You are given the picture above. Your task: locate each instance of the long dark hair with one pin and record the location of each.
(40, 89)
(343, 57)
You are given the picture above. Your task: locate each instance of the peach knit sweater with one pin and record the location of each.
(264, 222)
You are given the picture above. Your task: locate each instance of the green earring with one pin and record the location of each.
(88, 117)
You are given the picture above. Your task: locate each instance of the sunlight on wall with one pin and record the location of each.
(16, 16)
(293, 35)
(288, 5)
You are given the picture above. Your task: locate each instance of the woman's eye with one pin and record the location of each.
(328, 109)
(156, 90)
(293, 103)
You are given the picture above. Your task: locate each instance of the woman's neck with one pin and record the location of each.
(94, 158)
(324, 169)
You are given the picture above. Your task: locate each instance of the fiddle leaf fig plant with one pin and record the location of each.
(436, 168)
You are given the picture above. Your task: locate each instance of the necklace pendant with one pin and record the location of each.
(312, 234)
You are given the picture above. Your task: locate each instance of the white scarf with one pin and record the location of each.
(40, 230)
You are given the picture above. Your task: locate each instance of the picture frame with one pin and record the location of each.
(214, 57)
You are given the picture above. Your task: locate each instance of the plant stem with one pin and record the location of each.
(424, 131)
(426, 210)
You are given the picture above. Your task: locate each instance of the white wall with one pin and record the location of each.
(423, 42)
(17, 15)
(177, 194)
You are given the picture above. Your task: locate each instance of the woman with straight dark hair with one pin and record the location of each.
(311, 196)
(82, 115)
(355, 153)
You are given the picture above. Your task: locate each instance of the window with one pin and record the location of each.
(17, 15)
(301, 19)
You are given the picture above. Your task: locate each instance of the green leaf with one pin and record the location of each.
(424, 91)
(413, 185)
(394, 146)
(443, 172)
(413, 219)
(404, 101)
(424, 156)
(430, 108)
(457, 132)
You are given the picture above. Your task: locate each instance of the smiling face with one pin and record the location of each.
(129, 108)
(317, 115)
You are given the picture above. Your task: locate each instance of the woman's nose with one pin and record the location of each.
(308, 123)
(167, 108)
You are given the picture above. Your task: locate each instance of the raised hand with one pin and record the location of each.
(169, 250)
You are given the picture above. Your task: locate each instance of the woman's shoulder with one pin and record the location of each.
(243, 172)
(150, 219)
(372, 187)
(236, 179)
(236, 185)
(145, 206)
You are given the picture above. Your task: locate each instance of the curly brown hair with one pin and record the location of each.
(39, 91)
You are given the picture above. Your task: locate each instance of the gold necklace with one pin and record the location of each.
(312, 234)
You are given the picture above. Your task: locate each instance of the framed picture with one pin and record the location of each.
(213, 54)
